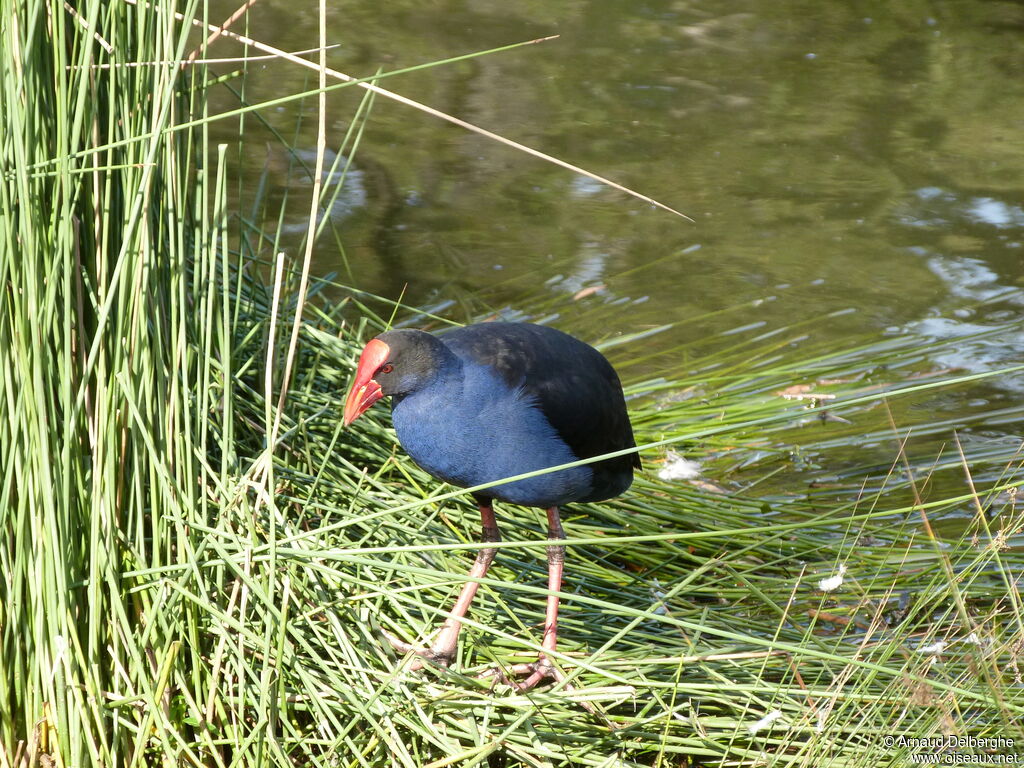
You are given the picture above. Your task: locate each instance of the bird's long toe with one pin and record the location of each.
(532, 673)
(536, 672)
(438, 656)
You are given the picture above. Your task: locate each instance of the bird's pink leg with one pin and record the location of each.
(442, 651)
(543, 667)
(556, 559)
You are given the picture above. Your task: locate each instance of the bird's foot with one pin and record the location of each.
(439, 656)
(534, 672)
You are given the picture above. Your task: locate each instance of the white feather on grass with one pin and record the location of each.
(678, 468)
(833, 582)
(765, 722)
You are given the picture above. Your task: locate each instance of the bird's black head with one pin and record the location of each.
(396, 363)
(414, 359)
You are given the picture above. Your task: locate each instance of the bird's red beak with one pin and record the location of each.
(365, 391)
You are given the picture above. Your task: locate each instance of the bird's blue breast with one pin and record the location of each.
(469, 427)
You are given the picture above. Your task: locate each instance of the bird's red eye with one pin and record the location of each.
(386, 368)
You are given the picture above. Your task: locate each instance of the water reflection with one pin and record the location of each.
(997, 213)
(338, 170)
(971, 245)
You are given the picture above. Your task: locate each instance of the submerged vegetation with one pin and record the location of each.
(197, 559)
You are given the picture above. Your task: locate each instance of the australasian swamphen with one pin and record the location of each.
(489, 401)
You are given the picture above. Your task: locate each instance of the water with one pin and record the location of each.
(834, 155)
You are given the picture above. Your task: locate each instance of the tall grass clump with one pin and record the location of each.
(111, 333)
(197, 560)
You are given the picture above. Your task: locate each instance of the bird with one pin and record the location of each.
(489, 401)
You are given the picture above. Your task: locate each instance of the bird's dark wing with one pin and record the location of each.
(573, 384)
